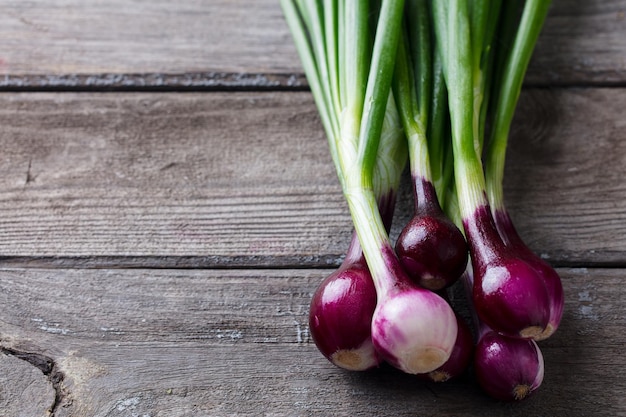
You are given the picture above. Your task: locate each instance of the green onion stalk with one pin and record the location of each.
(350, 67)
(500, 274)
(514, 61)
(349, 291)
(431, 247)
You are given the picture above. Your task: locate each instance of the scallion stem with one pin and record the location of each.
(358, 181)
(508, 91)
(514, 67)
(379, 82)
(501, 275)
(431, 248)
(439, 148)
(402, 329)
(451, 20)
(341, 310)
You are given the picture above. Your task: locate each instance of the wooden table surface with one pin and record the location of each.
(168, 206)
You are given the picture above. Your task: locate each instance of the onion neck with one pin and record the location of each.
(424, 194)
(354, 254)
(386, 202)
(425, 197)
(480, 229)
(494, 177)
(483, 238)
(384, 266)
(507, 230)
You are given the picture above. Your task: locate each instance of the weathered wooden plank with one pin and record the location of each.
(212, 176)
(565, 160)
(243, 43)
(236, 342)
(227, 179)
(581, 42)
(121, 44)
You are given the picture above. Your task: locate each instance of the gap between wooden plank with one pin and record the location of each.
(209, 81)
(208, 262)
(183, 82)
(252, 262)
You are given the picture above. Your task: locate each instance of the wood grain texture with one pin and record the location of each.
(228, 179)
(213, 176)
(236, 343)
(582, 42)
(193, 44)
(128, 37)
(565, 160)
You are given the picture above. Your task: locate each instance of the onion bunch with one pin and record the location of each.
(434, 83)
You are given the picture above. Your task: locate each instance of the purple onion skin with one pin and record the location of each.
(340, 317)
(341, 310)
(508, 369)
(460, 357)
(413, 329)
(508, 293)
(551, 279)
(432, 250)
